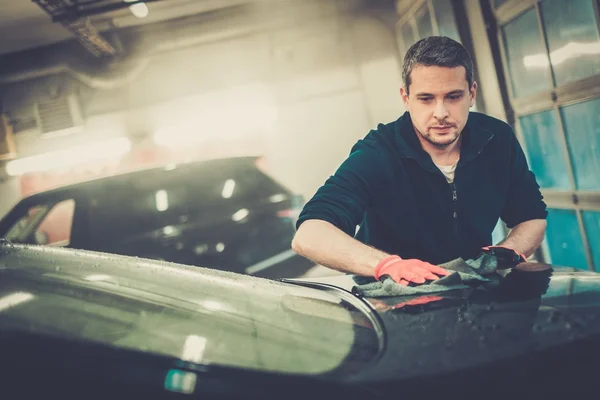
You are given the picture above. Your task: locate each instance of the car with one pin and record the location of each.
(222, 213)
(77, 323)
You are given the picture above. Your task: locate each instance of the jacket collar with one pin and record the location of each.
(475, 136)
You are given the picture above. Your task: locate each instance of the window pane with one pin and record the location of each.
(591, 220)
(498, 3)
(55, 229)
(408, 36)
(573, 39)
(544, 152)
(444, 15)
(499, 233)
(564, 239)
(582, 126)
(424, 25)
(528, 63)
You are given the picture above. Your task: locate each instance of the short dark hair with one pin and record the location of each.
(440, 51)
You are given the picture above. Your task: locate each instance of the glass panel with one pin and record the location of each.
(564, 239)
(408, 35)
(572, 38)
(25, 224)
(544, 152)
(499, 233)
(444, 15)
(582, 127)
(528, 63)
(498, 3)
(424, 25)
(55, 229)
(591, 220)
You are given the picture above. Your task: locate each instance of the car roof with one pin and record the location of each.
(143, 174)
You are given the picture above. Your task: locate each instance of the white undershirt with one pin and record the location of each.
(448, 171)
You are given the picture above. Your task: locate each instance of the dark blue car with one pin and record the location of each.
(80, 324)
(224, 214)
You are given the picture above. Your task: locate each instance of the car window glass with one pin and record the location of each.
(55, 228)
(24, 224)
(178, 197)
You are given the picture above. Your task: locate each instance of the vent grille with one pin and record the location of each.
(58, 115)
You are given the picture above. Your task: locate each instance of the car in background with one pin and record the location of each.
(223, 213)
(81, 324)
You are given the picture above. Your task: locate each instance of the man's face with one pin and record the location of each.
(439, 103)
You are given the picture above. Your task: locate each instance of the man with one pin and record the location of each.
(429, 187)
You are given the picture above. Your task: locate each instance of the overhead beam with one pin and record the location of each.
(80, 26)
(74, 12)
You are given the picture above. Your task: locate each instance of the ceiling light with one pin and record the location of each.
(70, 157)
(140, 10)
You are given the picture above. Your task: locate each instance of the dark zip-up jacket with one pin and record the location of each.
(404, 205)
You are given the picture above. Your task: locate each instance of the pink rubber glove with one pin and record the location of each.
(405, 271)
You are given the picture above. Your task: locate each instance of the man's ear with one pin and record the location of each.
(404, 95)
(473, 92)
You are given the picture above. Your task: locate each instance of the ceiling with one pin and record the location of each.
(24, 25)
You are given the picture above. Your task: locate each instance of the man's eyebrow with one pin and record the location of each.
(459, 91)
(423, 94)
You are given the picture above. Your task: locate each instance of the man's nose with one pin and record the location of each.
(441, 112)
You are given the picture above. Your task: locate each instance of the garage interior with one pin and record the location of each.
(93, 88)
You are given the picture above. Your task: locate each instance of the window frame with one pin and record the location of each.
(554, 100)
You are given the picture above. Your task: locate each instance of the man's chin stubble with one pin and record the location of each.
(441, 146)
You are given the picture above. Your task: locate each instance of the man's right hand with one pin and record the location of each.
(407, 271)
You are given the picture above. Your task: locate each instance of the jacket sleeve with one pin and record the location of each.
(525, 201)
(345, 196)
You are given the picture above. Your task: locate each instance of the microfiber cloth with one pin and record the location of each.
(466, 274)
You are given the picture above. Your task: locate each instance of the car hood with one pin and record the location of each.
(194, 314)
(534, 310)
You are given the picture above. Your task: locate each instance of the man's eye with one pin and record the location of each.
(455, 96)
(426, 99)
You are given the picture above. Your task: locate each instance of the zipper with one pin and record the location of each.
(455, 216)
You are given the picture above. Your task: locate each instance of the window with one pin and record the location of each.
(591, 220)
(564, 239)
(55, 229)
(544, 152)
(552, 61)
(408, 35)
(25, 224)
(444, 15)
(498, 3)
(526, 55)
(431, 18)
(48, 224)
(572, 35)
(582, 126)
(424, 24)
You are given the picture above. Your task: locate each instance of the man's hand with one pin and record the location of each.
(406, 271)
(505, 254)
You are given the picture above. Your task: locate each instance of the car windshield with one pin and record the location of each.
(195, 314)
